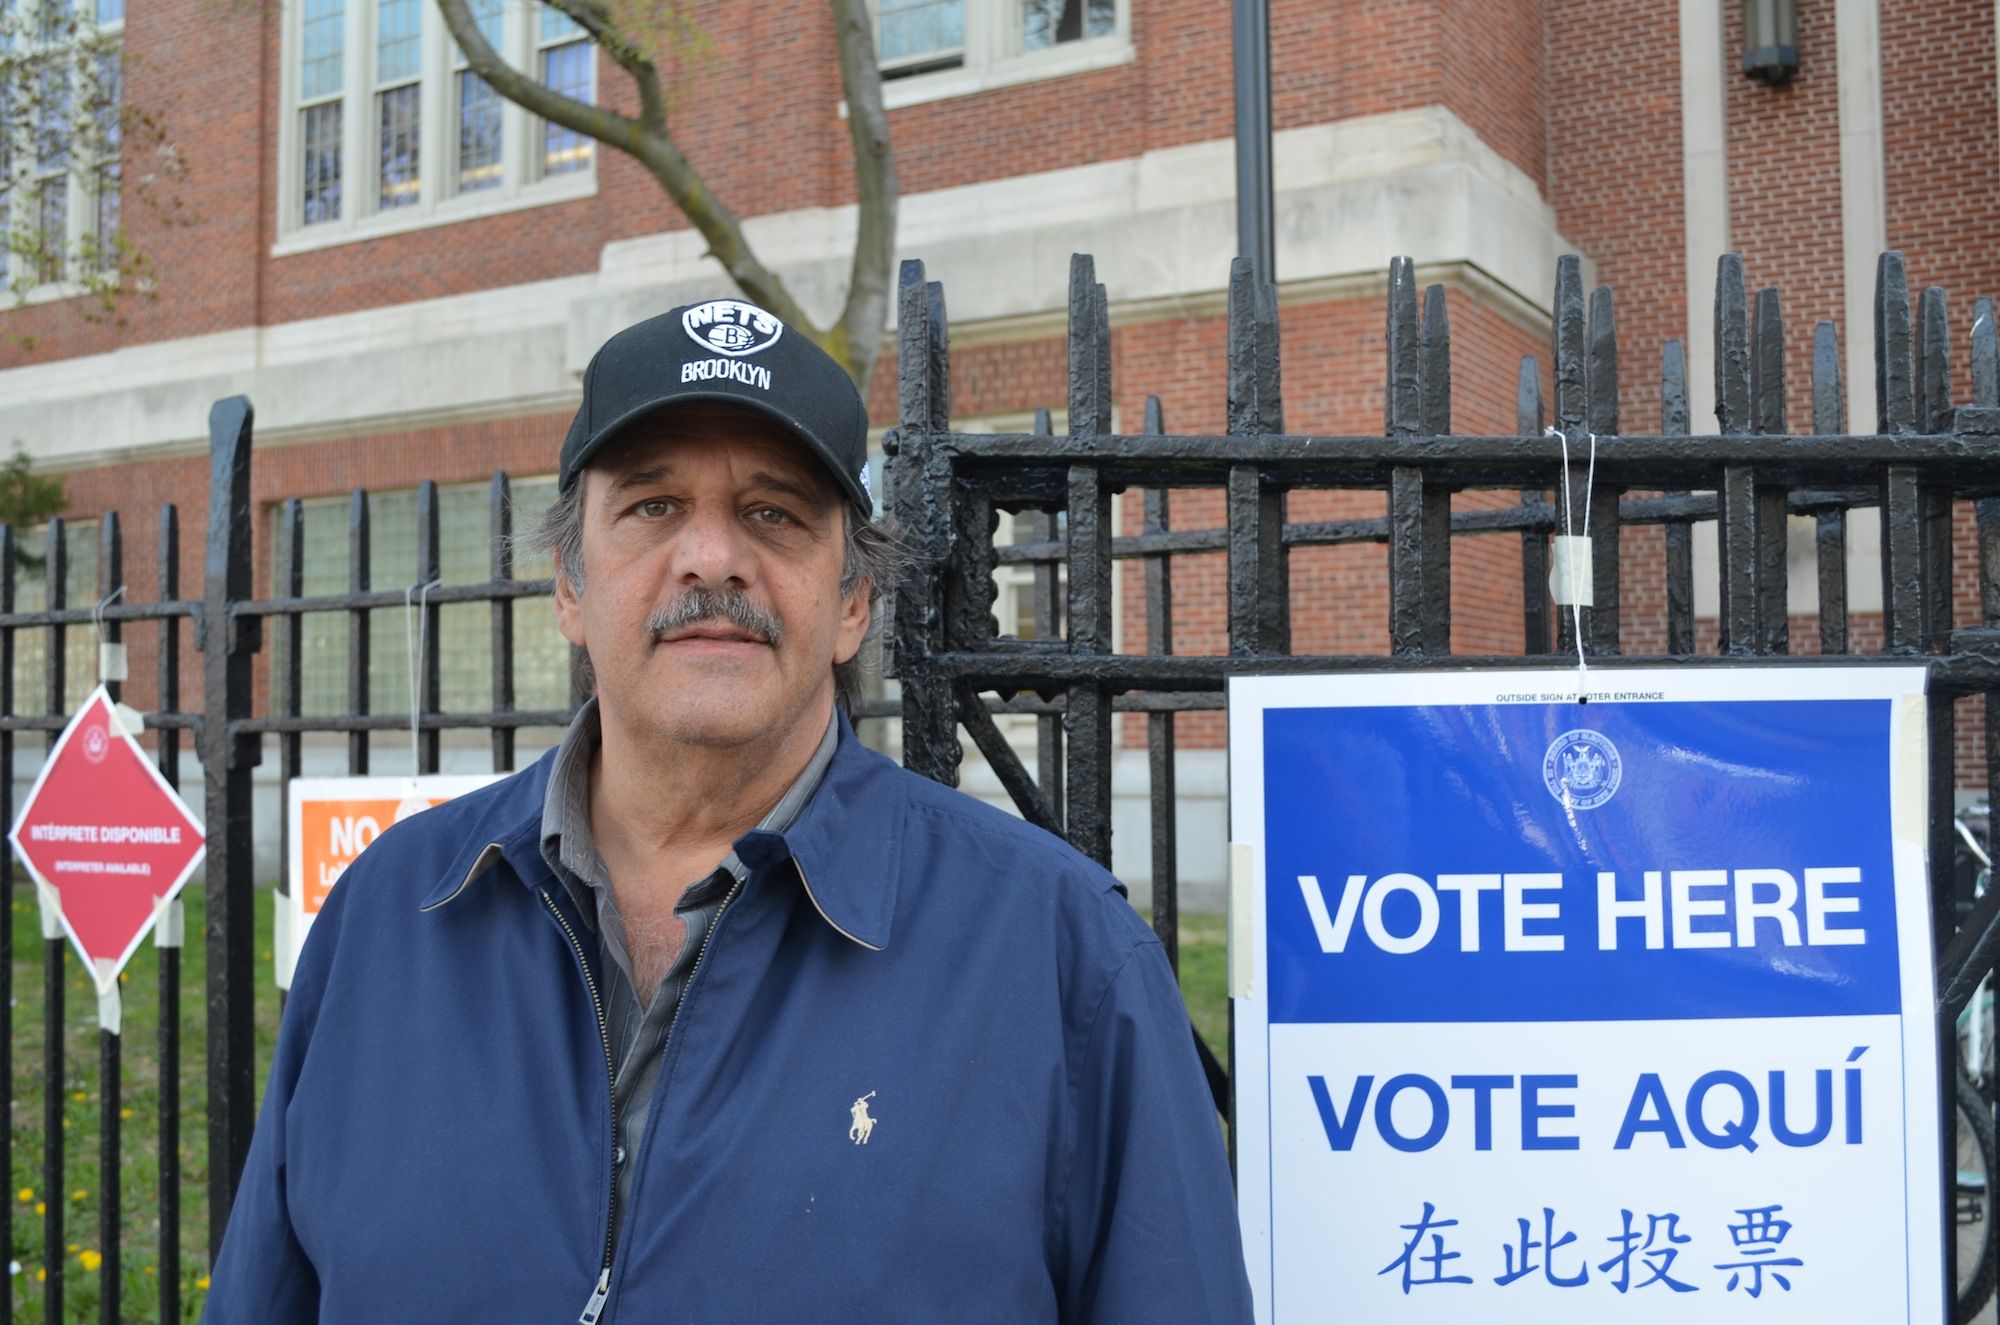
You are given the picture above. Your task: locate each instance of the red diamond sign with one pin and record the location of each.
(103, 830)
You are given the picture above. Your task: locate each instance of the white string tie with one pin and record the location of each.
(413, 653)
(1571, 582)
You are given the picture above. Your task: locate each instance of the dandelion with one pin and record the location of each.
(124, 1113)
(41, 1274)
(202, 1283)
(91, 1260)
(79, 1096)
(41, 1207)
(26, 1194)
(149, 1270)
(74, 1248)
(79, 1195)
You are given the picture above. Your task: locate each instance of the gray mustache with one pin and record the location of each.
(699, 605)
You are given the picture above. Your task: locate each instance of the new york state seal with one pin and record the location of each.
(1582, 769)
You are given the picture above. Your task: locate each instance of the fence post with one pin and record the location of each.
(227, 756)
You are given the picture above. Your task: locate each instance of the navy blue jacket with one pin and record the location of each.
(436, 1138)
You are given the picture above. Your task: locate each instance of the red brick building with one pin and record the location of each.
(407, 276)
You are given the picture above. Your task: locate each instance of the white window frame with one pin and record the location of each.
(994, 56)
(522, 183)
(22, 202)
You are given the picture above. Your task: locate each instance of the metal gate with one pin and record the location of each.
(1923, 455)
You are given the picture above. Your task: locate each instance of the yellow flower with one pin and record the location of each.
(27, 1194)
(91, 1260)
(79, 1194)
(79, 1096)
(65, 1124)
(74, 1248)
(41, 1207)
(202, 1283)
(149, 1270)
(124, 1113)
(41, 1275)
(123, 976)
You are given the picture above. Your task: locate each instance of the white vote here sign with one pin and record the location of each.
(1581, 1012)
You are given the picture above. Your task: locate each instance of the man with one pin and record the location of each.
(713, 1014)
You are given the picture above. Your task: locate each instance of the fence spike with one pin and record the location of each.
(1254, 405)
(1895, 392)
(1985, 355)
(1534, 542)
(1089, 351)
(1732, 346)
(937, 347)
(914, 384)
(1601, 374)
(1933, 363)
(1570, 333)
(1673, 390)
(1436, 363)
(1829, 408)
(1767, 364)
(1403, 403)
(1528, 398)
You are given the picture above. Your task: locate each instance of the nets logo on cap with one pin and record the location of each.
(729, 326)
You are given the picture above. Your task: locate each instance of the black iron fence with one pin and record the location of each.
(957, 672)
(1924, 454)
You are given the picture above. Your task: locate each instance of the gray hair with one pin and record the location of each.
(872, 552)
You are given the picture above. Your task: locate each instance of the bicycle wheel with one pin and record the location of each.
(1975, 1226)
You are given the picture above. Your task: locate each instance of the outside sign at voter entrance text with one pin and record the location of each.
(1586, 1012)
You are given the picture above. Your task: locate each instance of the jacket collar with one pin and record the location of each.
(845, 845)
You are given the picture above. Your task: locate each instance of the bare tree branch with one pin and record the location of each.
(855, 338)
(594, 121)
(871, 276)
(595, 19)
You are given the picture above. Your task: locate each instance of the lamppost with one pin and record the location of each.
(1251, 32)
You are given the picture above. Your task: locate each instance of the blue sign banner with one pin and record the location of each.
(1721, 862)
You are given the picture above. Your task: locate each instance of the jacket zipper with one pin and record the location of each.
(594, 1308)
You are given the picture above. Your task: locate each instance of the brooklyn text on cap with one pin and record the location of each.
(723, 350)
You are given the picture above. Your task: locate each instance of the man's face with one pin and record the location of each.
(710, 603)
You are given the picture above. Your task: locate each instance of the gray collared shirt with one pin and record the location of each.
(638, 1032)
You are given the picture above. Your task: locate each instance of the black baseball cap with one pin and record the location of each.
(729, 351)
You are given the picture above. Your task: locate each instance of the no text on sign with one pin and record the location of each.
(103, 831)
(331, 821)
(1573, 1012)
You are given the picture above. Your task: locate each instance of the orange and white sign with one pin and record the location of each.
(331, 821)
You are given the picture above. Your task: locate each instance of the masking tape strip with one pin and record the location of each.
(111, 661)
(170, 924)
(50, 902)
(111, 1005)
(1242, 917)
(1570, 575)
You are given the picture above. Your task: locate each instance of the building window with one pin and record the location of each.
(479, 127)
(921, 35)
(1046, 23)
(322, 57)
(31, 594)
(436, 142)
(942, 48)
(60, 180)
(398, 103)
(465, 637)
(566, 67)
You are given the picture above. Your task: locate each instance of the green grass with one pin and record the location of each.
(1205, 979)
(81, 1195)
